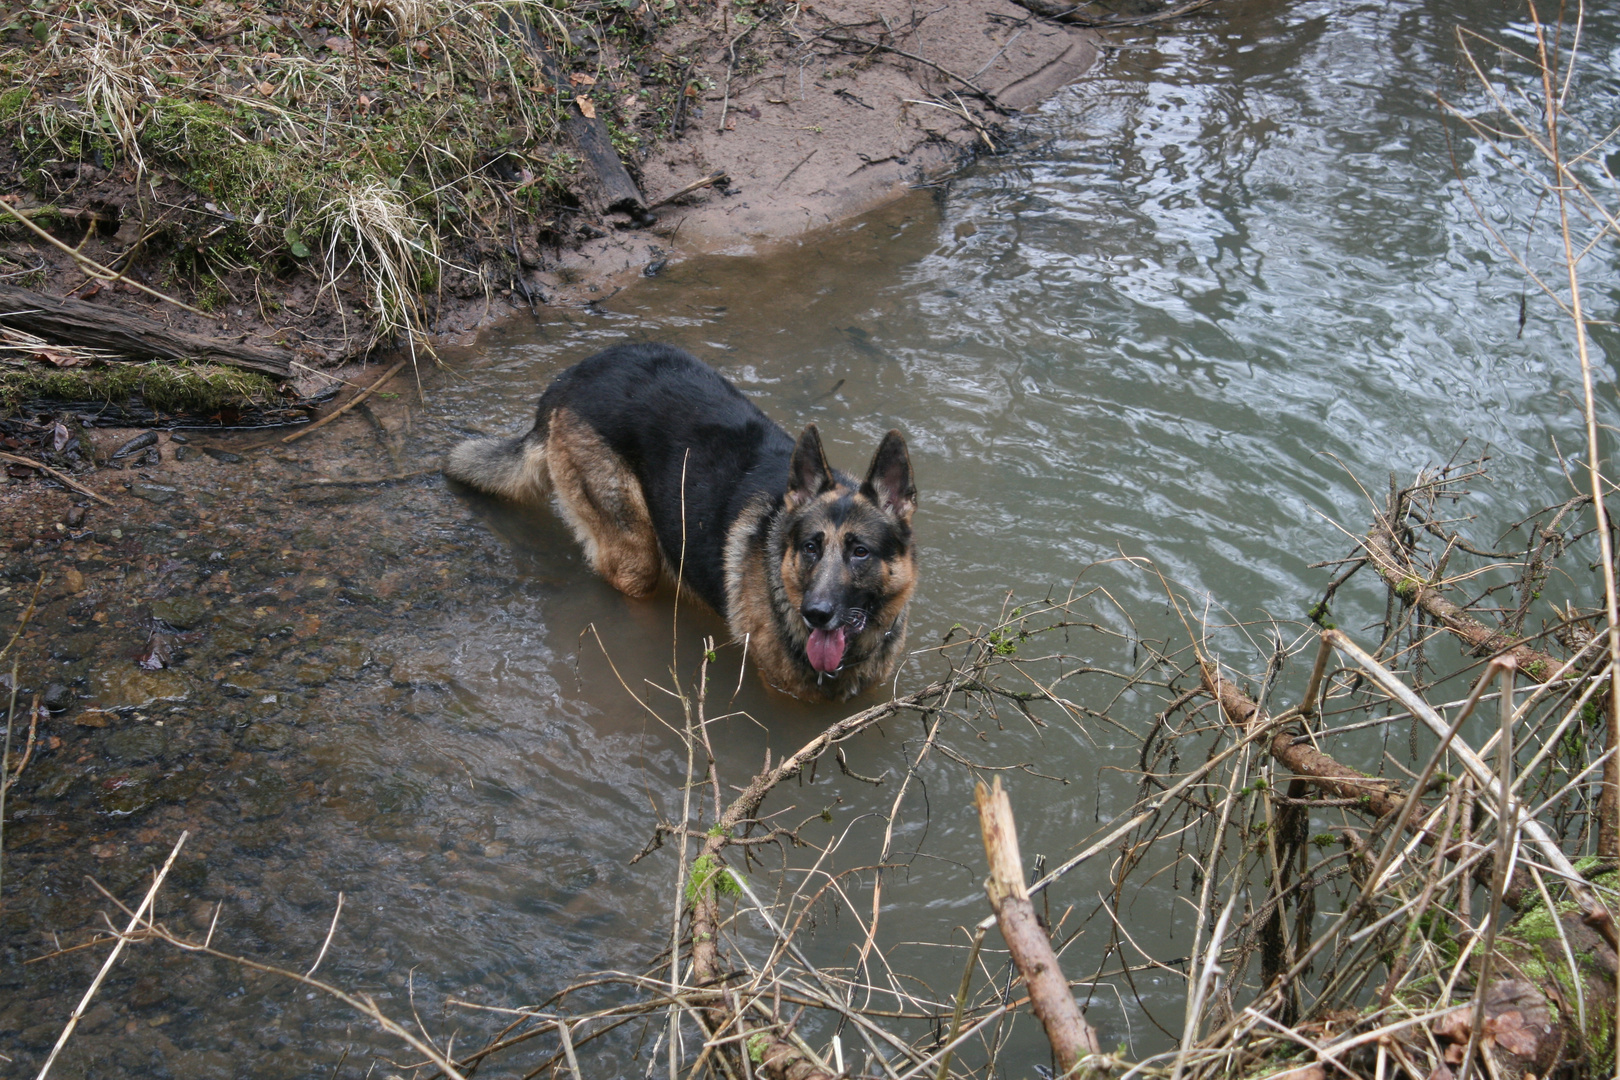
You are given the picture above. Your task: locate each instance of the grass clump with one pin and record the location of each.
(358, 139)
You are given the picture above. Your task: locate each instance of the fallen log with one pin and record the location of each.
(614, 190)
(1377, 797)
(77, 322)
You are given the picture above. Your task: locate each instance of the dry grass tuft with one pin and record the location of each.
(373, 234)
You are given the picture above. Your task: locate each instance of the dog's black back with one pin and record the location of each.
(668, 415)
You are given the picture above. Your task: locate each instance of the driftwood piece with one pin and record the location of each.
(77, 322)
(1072, 1039)
(614, 188)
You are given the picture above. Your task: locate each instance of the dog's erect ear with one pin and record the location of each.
(808, 474)
(888, 481)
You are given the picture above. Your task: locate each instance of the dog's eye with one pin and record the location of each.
(811, 549)
(859, 551)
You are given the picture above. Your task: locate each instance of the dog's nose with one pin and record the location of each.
(818, 613)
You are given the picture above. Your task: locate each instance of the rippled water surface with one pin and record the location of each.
(1230, 275)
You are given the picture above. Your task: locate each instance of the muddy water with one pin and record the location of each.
(1216, 283)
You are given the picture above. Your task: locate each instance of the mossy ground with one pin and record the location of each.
(394, 155)
(193, 389)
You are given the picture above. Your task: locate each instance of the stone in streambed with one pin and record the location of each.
(124, 686)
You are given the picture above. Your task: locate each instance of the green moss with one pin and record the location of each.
(1534, 946)
(168, 387)
(216, 159)
(709, 872)
(12, 102)
(1408, 588)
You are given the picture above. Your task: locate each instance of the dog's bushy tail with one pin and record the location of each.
(513, 468)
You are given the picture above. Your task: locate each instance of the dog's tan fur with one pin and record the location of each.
(602, 501)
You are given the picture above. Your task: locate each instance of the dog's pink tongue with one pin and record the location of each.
(825, 649)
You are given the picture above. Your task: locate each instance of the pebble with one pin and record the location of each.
(154, 493)
(139, 742)
(428, 668)
(180, 612)
(225, 457)
(122, 686)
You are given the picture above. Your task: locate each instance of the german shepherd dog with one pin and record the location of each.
(659, 465)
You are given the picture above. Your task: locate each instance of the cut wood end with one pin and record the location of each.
(1000, 843)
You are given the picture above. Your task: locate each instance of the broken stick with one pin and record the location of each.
(1072, 1039)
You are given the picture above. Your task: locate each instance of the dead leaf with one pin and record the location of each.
(1442, 1072)
(1454, 1026)
(1513, 1034)
(271, 56)
(586, 106)
(579, 78)
(1303, 1072)
(157, 654)
(340, 45)
(58, 358)
(60, 436)
(267, 90)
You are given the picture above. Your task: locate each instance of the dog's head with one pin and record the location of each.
(848, 565)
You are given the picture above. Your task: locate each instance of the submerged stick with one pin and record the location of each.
(112, 957)
(351, 403)
(1072, 1039)
(54, 474)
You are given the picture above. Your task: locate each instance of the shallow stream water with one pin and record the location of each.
(1215, 289)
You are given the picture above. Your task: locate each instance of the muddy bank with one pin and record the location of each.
(821, 117)
(797, 118)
